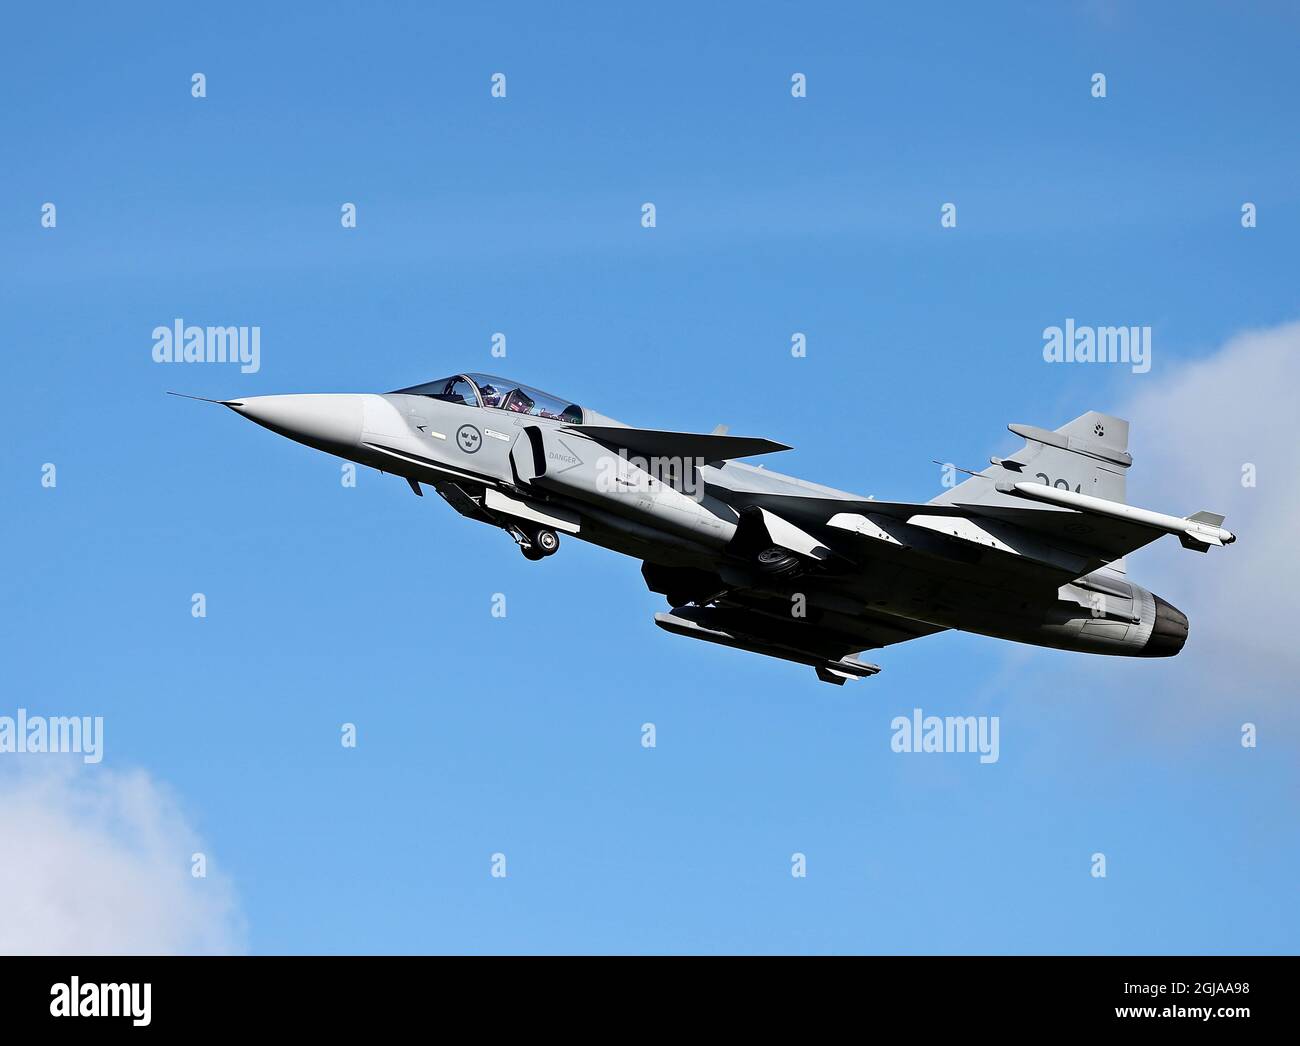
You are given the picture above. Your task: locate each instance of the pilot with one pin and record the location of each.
(491, 395)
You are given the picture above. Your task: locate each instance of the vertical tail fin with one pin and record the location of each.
(1088, 455)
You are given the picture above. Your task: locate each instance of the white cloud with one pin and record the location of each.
(96, 861)
(1194, 426)
(1193, 432)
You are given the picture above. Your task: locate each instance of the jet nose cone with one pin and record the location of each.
(1169, 632)
(326, 422)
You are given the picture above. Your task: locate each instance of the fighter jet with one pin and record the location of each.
(1031, 549)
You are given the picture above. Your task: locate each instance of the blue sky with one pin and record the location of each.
(522, 215)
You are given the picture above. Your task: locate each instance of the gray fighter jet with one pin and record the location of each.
(1031, 549)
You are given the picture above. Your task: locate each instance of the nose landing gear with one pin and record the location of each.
(539, 544)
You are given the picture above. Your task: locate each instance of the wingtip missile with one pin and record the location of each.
(1198, 531)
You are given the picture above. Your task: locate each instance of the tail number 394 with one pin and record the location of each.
(1059, 484)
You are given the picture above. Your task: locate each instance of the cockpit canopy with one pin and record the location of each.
(486, 390)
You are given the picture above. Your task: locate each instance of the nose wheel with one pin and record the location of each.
(540, 544)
